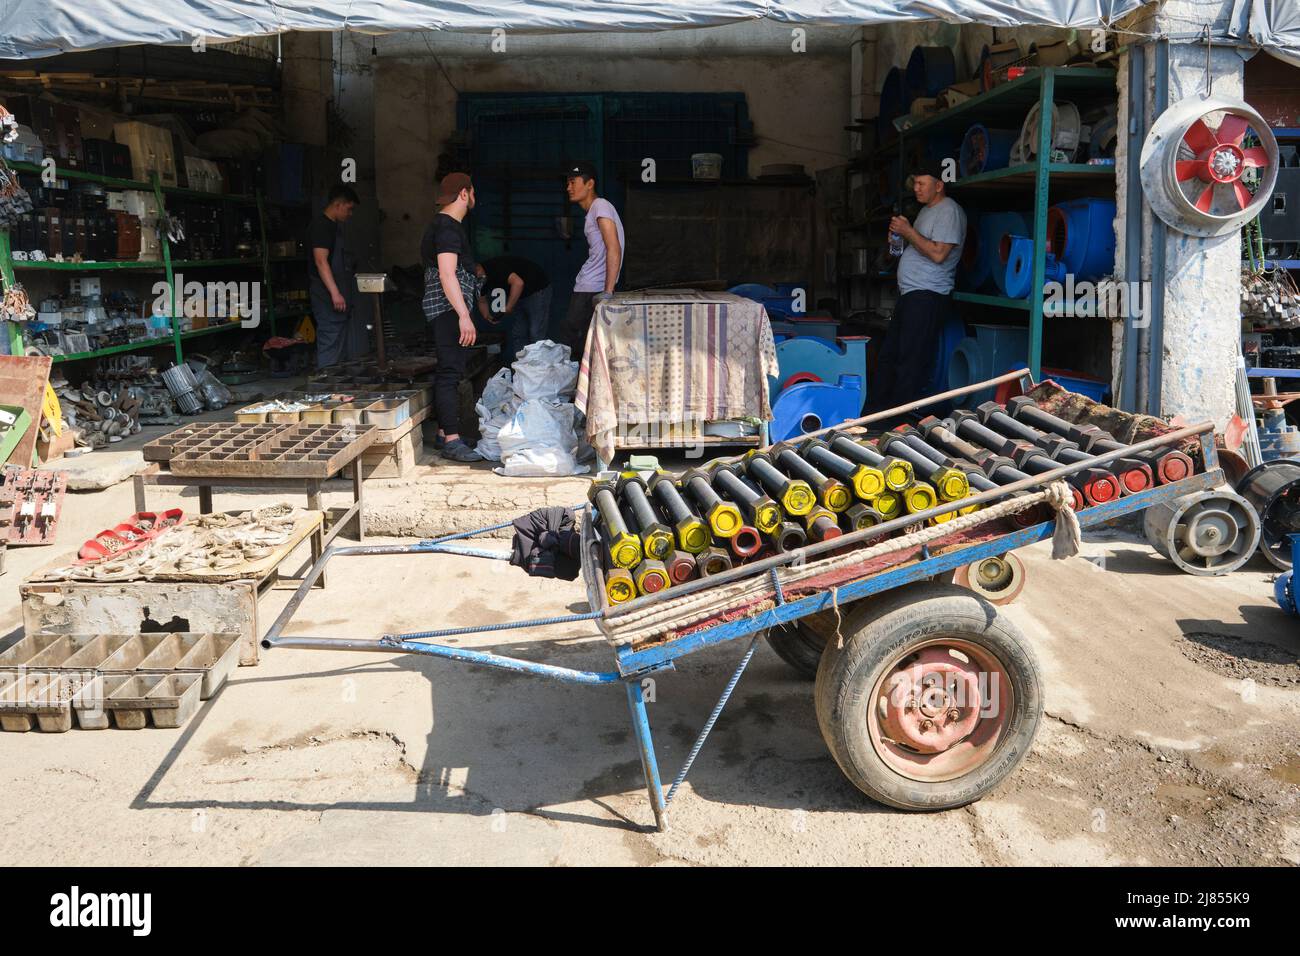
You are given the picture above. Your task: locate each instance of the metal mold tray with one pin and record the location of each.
(387, 413)
(127, 658)
(171, 699)
(263, 451)
(214, 656)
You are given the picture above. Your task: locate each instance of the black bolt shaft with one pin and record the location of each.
(668, 495)
(635, 496)
(739, 491)
(853, 451)
(825, 460)
(609, 512)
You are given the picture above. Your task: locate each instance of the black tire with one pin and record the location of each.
(876, 637)
(800, 644)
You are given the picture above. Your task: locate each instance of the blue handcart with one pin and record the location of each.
(926, 695)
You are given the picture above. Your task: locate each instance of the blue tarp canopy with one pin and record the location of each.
(35, 28)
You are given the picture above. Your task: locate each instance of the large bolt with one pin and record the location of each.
(656, 537)
(867, 481)
(623, 547)
(619, 586)
(898, 472)
(723, 517)
(831, 493)
(794, 495)
(692, 533)
(760, 510)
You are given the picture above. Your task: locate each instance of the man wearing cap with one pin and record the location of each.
(598, 276)
(926, 274)
(451, 285)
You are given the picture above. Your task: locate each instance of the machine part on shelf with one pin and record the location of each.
(759, 510)
(930, 70)
(623, 547)
(831, 493)
(746, 542)
(619, 585)
(999, 580)
(982, 262)
(723, 517)
(794, 495)
(681, 566)
(984, 149)
(1081, 237)
(822, 525)
(1208, 533)
(981, 355)
(1193, 176)
(1066, 134)
(862, 516)
(1273, 490)
(789, 537)
(889, 504)
(811, 406)
(713, 561)
(897, 471)
(1017, 275)
(692, 533)
(656, 537)
(651, 575)
(950, 483)
(867, 481)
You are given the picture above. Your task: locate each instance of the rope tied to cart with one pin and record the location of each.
(693, 608)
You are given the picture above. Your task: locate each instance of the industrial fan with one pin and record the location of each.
(1196, 164)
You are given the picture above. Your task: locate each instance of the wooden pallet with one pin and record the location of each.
(235, 450)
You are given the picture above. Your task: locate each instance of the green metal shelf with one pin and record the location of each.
(144, 343)
(63, 172)
(1006, 106)
(996, 301)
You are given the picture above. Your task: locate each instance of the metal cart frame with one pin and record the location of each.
(633, 664)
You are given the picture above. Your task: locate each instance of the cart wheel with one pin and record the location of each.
(800, 643)
(933, 699)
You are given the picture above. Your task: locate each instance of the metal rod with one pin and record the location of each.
(1037, 482)
(913, 406)
(646, 748)
(713, 719)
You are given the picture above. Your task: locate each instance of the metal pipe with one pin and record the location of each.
(1159, 235)
(462, 654)
(1137, 129)
(1035, 483)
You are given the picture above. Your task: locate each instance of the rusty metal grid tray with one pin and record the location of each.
(291, 450)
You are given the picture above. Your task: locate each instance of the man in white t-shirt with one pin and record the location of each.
(599, 274)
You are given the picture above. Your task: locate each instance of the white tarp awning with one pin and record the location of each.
(34, 28)
(1275, 27)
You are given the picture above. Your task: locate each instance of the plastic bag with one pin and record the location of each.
(495, 407)
(215, 393)
(543, 371)
(540, 440)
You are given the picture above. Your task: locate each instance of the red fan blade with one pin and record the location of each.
(1257, 157)
(1207, 199)
(1191, 169)
(1244, 198)
(1232, 129)
(1198, 138)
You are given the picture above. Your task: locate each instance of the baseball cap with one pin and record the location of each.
(927, 167)
(451, 186)
(583, 168)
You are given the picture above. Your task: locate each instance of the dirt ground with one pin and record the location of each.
(1172, 736)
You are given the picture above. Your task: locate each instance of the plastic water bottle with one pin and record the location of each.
(895, 245)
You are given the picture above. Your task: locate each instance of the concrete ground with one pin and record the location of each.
(1172, 733)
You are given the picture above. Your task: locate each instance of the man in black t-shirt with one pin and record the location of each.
(332, 271)
(450, 288)
(517, 293)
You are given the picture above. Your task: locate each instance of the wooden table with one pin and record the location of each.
(156, 474)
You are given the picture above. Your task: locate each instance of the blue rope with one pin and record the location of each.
(713, 719)
(482, 628)
(776, 584)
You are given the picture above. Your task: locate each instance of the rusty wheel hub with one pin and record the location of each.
(931, 703)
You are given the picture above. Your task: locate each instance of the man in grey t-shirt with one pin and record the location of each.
(926, 272)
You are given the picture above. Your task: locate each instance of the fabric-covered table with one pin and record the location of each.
(658, 365)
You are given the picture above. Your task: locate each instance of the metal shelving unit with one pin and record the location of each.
(166, 265)
(1006, 106)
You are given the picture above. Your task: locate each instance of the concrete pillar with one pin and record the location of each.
(306, 87)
